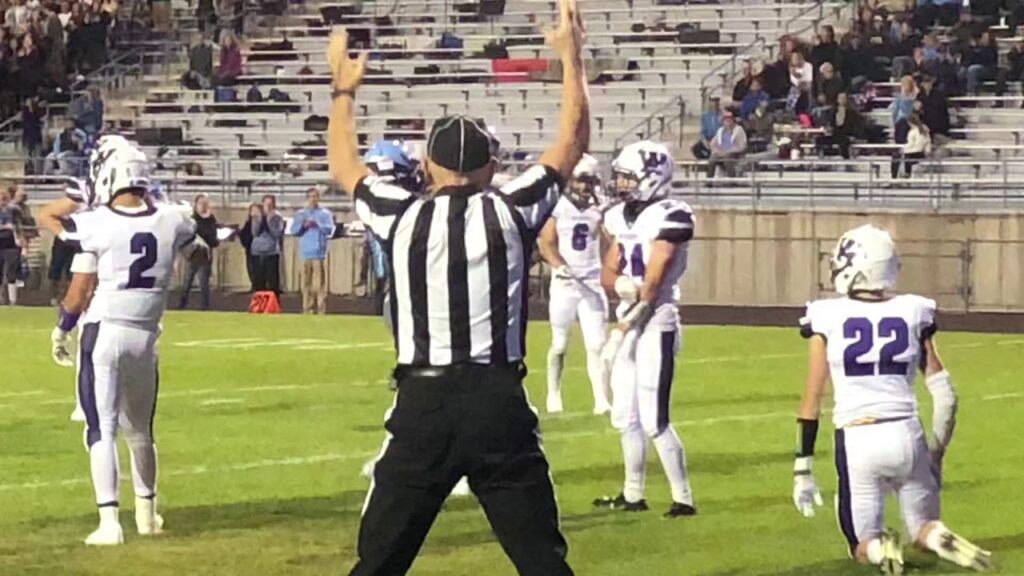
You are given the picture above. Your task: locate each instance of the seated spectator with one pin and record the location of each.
(200, 65)
(823, 114)
(742, 86)
(1015, 61)
(912, 65)
(775, 78)
(800, 70)
(847, 124)
(825, 49)
(830, 84)
(230, 67)
(930, 48)
(858, 62)
(88, 111)
(727, 147)
(760, 128)
(1015, 17)
(798, 103)
(68, 149)
(986, 12)
(981, 63)
(934, 108)
(902, 107)
(710, 122)
(754, 98)
(918, 145)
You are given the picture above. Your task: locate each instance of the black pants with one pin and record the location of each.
(474, 421)
(265, 274)
(908, 160)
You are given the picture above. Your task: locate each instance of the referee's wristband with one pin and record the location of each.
(336, 93)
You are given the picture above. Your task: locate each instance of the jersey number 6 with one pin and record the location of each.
(580, 232)
(862, 330)
(144, 244)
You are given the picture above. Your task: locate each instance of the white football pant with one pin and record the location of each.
(117, 388)
(641, 395)
(871, 461)
(584, 300)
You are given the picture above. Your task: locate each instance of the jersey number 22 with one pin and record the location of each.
(863, 333)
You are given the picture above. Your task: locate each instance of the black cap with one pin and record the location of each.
(461, 144)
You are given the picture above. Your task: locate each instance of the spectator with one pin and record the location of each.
(314, 226)
(1015, 61)
(912, 65)
(727, 147)
(230, 67)
(206, 228)
(16, 19)
(32, 119)
(88, 112)
(918, 146)
(245, 238)
(760, 129)
(206, 15)
(800, 70)
(68, 149)
(267, 227)
(859, 63)
(29, 68)
(52, 45)
(930, 48)
(980, 64)
(829, 84)
(825, 49)
(742, 86)
(902, 107)
(754, 98)
(1015, 17)
(11, 242)
(200, 65)
(710, 122)
(61, 255)
(798, 103)
(847, 124)
(934, 108)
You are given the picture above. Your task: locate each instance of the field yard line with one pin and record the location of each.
(20, 394)
(1003, 396)
(219, 401)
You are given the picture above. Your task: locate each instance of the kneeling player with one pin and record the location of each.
(570, 243)
(650, 235)
(870, 344)
(135, 244)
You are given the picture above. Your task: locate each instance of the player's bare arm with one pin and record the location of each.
(49, 216)
(806, 495)
(573, 137)
(345, 164)
(610, 267)
(547, 245)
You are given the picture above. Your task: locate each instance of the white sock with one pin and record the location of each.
(875, 551)
(556, 360)
(634, 457)
(12, 293)
(143, 468)
(598, 378)
(673, 460)
(104, 466)
(109, 515)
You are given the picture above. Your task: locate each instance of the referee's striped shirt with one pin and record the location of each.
(458, 263)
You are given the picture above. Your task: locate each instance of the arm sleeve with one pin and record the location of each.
(78, 191)
(325, 221)
(379, 204)
(83, 232)
(813, 322)
(297, 220)
(678, 226)
(534, 194)
(929, 326)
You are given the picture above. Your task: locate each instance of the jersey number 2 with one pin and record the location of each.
(580, 233)
(862, 332)
(143, 244)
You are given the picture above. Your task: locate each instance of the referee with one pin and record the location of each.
(458, 264)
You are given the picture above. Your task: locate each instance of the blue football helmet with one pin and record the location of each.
(393, 160)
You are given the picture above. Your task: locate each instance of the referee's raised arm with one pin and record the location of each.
(346, 167)
(574, 118)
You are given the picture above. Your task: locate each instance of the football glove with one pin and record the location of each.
(564, 273)
(626, 289)
(59, 348)
(805, 490)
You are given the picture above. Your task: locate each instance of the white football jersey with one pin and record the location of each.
(874, 349)
(579, 239)
(668, 219)
(135, 252)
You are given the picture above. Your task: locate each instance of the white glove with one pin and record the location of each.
(805, 490)
(611, 348)
(564, 273)
(59, 348)
(626, 289)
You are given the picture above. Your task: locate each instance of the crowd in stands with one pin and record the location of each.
(815, 97)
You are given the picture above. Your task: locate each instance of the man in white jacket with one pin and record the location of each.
(728, 146)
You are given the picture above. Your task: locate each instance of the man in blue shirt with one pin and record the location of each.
(710, 122)
(314, 226)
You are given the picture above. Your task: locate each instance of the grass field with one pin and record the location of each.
(264, 422)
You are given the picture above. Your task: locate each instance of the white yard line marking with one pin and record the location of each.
(343, 346)
(220, 401)
(1003, 396)
(20, 394)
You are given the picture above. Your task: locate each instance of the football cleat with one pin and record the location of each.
(679, 509)
(892, 553)
(77, 415)
(108, 534)
(147, 521)
(602, 408)
(958, 550)
(462, 488)
(554, 403)
(620, 503)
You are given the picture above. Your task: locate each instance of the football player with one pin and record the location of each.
(135, 243)
(870, 343)
(648, 255)
(570, 243)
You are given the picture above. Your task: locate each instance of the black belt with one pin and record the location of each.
(453, 370)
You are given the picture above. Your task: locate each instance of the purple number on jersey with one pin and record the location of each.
(863, 332)
(636, 261)
(143, 243)
(580, 233)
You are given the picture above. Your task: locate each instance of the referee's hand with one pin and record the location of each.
(347, 72)
(567, 38)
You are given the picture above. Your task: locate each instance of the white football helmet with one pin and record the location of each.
(117, 165)
(586, 187)
(864, 259)
(647, 166)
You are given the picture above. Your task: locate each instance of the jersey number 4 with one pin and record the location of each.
(863, 334)
(143, 244)
(636, 261)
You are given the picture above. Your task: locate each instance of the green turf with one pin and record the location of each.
(261, 446)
